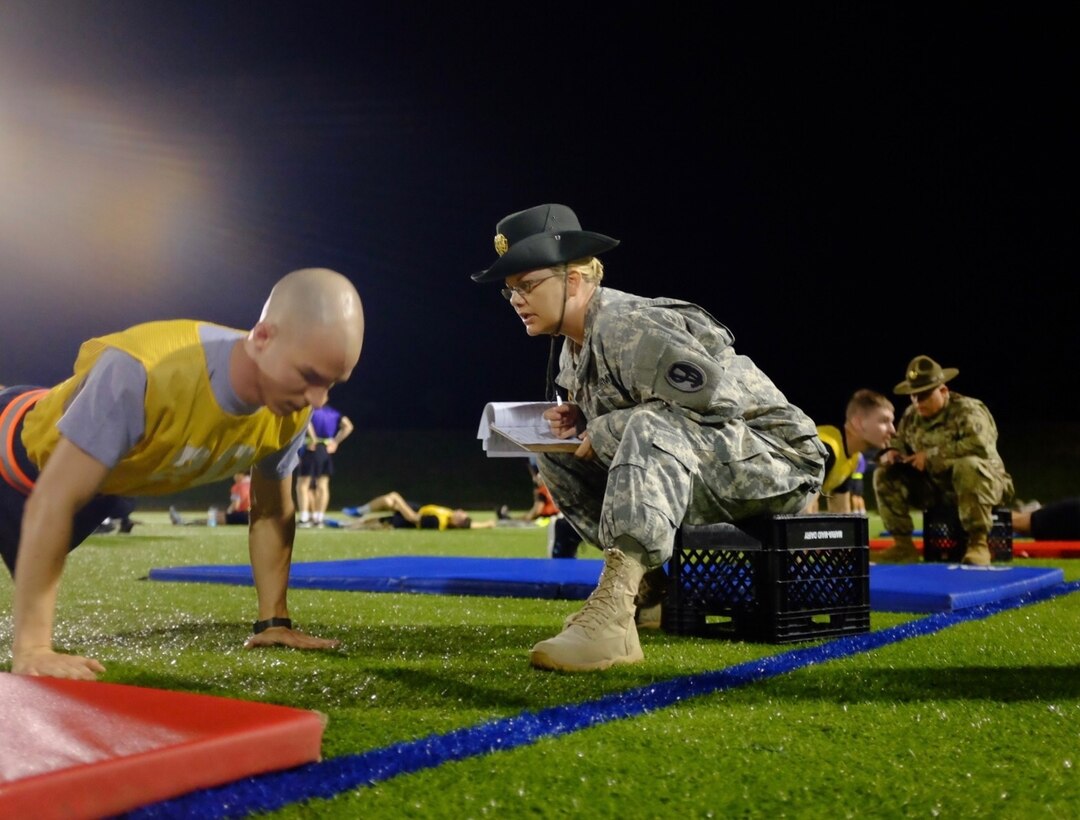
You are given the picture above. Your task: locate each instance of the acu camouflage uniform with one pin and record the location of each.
(684, 429)
(963, 468)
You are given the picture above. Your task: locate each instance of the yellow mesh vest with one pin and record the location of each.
(441, 513)
(844, 466)
(188, 439)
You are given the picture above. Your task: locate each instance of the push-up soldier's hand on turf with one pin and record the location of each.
(46, 662)
(282, 636)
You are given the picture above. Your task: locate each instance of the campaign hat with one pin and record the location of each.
(923, 373)
(541, 237)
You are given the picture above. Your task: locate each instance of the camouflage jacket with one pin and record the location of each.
(676, 357)
(964, 427)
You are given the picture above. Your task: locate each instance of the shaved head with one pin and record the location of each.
(317, 300)
(307, 339)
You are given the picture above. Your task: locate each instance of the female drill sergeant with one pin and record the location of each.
(677, 427)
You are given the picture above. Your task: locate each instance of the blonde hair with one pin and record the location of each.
(590, 268)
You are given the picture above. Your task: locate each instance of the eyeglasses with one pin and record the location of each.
(525, 287)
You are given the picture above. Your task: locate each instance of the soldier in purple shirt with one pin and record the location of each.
(327, 429)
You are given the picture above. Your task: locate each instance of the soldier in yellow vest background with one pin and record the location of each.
(156, 409)
(409, 515)
(868, 426)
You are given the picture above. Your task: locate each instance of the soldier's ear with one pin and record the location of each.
(261, 334)
(573, 280)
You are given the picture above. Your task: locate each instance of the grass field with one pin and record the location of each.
(979, 719)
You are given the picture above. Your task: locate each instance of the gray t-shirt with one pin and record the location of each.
(106, 417)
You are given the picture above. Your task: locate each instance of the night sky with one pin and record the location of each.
(843, 185)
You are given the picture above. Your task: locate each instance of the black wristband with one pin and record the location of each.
(262, 626)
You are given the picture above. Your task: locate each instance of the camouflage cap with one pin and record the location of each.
(541, 237)
(923, 373)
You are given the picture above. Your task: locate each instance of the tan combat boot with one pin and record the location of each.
(977, 553)
(901, 552)
(603, 632)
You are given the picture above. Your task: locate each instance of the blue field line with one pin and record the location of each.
(330, 778)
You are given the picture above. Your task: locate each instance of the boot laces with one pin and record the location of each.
(602, 603)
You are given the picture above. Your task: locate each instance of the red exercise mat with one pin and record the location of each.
(1021, 548)
(84, 749)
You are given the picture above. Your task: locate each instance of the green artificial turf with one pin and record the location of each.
(979, 720)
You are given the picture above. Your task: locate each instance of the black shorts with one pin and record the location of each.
(400, 522)
(12, 501)
(238, 517)
(316, 463)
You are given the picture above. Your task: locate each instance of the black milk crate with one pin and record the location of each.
(774, 579)
(945, 540)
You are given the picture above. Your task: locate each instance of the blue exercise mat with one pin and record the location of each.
(893, 588)
(940, 587)
(434, 574)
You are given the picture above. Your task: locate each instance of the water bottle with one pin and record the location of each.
(211, 517)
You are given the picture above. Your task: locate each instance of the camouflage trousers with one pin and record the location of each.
(660, 470)
(972, 485)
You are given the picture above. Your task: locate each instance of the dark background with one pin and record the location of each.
(845, 185)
